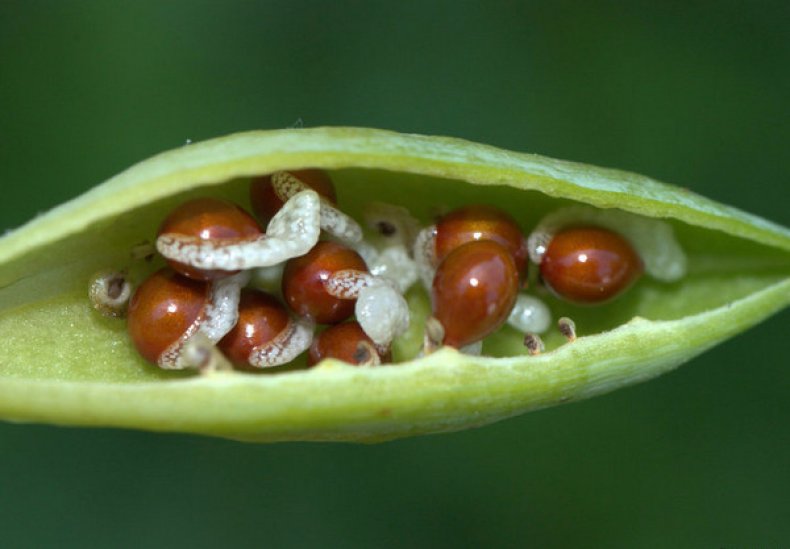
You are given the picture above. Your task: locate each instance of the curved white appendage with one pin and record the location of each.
(292, 232)
(381, 310)
(173, 358)
(425, 255)
(198, 352)
(332, 220)
(222, 311)
(219, 316)
(530, 315)
(653, 239)
(347, 283)
(295, 339)
(392, 262)
(339, 224)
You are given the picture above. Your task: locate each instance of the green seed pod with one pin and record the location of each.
(62, 362)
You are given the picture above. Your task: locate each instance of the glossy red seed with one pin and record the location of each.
(346, 342)
(303, 282)
(162, 309)
(589, 264)
(474, 290)
(481, 222)
(261, 318)
(265, 202)
(209, 218)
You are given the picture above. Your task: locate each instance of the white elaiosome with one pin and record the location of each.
(653, 239)
(381, 310)
(295, 339)
(199, 352)
(530, 314)
(173, 358)
(292, 232)
(219, 316)
(347, 283)
(425, 255)
(332, 220)
(339, 224)
(222, 310)
(392, 262)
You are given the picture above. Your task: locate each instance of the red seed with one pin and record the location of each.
(209, 219)
(481, 222)
(261, 318)
(265, 202)
(474, 290)
(303, 282)
(589, 265)
(346, 342)
(162, 309)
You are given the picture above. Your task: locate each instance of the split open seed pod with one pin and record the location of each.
(61, 362)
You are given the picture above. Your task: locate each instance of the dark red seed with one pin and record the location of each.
(481, 222)
(265, 202)
(474, 290)
(209, 219)
(261, 318)
(346, 342)
(162, 309)
(589, 265)
(303, 282)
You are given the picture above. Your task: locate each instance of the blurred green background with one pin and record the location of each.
(691, 93)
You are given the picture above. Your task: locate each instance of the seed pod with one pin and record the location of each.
(64, 363)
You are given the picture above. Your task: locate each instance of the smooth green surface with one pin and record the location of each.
(693, 95)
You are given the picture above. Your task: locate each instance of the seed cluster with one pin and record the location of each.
(319, 271)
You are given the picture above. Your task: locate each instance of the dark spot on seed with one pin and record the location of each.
(386, 228)
(115, 287)
(362, 353)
